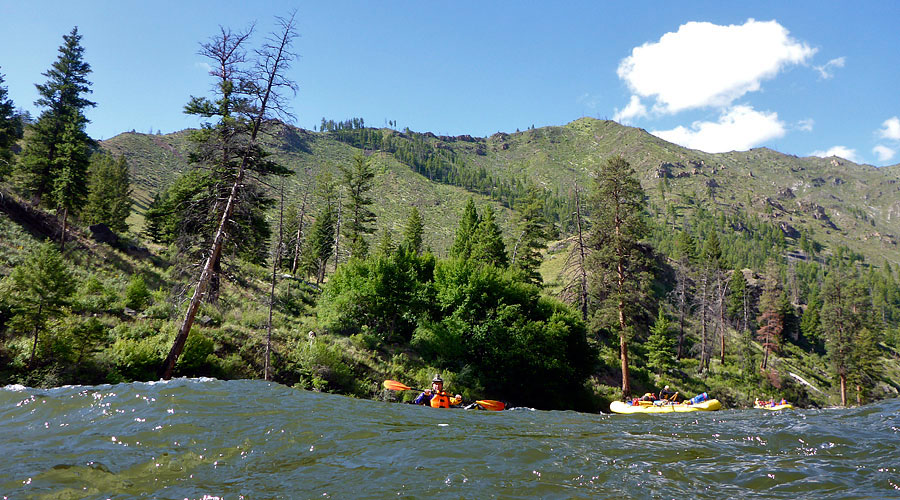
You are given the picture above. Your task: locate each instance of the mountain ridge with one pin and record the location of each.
(836, 201)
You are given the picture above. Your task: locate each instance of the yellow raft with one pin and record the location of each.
(786, 406)
(648, 407)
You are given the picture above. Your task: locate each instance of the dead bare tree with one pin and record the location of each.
(576, 289)
(276, 258)
(298, 240)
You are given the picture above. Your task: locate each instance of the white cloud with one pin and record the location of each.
(738, 129)
(883, 153)
(635, 109)
(840, 152)
(891, 129)
(703, 64)
(806, 125)
(826, 71)
(204, 66)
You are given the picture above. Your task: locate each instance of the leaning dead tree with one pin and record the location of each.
(245, 103)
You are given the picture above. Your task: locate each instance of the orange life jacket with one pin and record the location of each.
(440, 400)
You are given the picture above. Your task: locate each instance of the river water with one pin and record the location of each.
(203, 439)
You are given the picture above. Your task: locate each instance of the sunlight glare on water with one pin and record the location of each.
(204, 438)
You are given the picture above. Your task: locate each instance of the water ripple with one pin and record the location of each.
(206, 438)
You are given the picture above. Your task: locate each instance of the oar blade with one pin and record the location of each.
(396, 386)
(489, 404)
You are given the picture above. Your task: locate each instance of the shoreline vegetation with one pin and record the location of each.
(335, 259)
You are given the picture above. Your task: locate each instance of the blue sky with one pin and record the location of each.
(803, 78)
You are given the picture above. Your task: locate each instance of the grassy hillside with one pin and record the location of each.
(835, 201)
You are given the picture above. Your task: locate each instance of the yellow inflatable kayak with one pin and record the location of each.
(648, 407)
(786, 406)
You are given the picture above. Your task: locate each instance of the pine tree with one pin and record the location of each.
(739, 299)
(866, 366)
(412, 233)
(685, 255)
(320, 243)
(810, 322)
(771, 322)
(462, 244)
(619, 263)
(535, 232)
(843, 303)
(385, 244)
(109, 192)
(11, 129)
(42, 286)
(359, 180)
(58, 144)
(660, 345)
(487, 241)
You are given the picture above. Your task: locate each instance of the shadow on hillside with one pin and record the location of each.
(294, 141)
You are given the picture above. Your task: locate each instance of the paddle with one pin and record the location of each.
(487, 404)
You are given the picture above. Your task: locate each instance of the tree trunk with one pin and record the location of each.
(337, 232)
(62, 236)
(182, 335)
(581, 262)
(275, 260)
(843, 390)
(704, 296)
(723, 291)
(299, 237)
(623, 351)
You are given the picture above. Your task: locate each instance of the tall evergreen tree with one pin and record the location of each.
(359, 179)
(58, 144)
(771, 322)
(320, 243)
(109, 192)
(487, 241)
(843, 303)
(412, 233)
(866, 366)
(533, 237)
(11, 129)
(619, 264)
(739, 300)
(462, 244)
(660, 345)
(685, 256)
(810, 322)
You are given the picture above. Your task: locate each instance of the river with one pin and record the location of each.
(207, 439)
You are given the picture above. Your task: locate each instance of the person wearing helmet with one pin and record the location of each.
(436, 397)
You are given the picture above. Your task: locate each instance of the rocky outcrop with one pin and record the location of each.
(789, 230)
(786, 194)
(816, 211)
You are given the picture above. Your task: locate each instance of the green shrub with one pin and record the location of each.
(321, 366)
(138, 359)
(137, 296)
(365, 340)
(197, 358)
